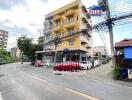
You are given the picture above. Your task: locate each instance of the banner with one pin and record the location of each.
(128, 53)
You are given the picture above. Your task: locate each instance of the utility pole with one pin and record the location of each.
(109, 20)
(55, 53)
(56, 42)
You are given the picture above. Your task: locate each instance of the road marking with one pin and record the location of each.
(81, 94)
(117, 85)
(1, 96)
(35, 77)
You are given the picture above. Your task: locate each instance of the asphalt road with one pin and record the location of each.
(24, 82)
(17, 85)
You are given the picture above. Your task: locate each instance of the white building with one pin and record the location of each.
(3, 39)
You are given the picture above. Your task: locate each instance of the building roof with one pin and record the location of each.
(4, 31)
(123, 43)
(74, 3)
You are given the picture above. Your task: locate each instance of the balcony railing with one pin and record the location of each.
(71, 23)
(57, 27)
(48, 38)
(71, 12)
(57, 17)
(47, 30)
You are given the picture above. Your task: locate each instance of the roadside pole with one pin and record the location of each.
(110, 31)
(55, 54)
(57, 41)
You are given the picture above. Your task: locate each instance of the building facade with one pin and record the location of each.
(100, 51)
(3, 39)
(15, 52)
(67, 22)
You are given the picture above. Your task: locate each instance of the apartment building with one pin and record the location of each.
(63, 22)
(3, 39)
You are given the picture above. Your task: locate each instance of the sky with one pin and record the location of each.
(26, 17)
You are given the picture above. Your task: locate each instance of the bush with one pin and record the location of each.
(117, 72)
(106, 60)
(6, 57)
(1, 63)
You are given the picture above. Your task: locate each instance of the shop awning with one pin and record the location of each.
(124, 43)
(49, 51)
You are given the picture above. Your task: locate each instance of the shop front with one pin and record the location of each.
(123, 55)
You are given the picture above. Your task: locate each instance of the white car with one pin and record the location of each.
(86, 65)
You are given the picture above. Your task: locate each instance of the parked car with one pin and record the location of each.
(67, 66)
(86, 65)
(39, 63)
(97, 63)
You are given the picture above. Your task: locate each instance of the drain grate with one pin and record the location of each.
(1, 75)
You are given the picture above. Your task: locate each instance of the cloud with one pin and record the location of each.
(8, 4)
(27, 16)
(11, 42)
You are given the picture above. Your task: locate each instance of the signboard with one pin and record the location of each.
(128, 53)
(95, 10)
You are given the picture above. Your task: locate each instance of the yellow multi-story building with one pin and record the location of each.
(68, 21)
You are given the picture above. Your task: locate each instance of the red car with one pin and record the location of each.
(67, 66)
(39, 63)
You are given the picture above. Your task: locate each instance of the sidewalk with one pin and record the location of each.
(105, 73)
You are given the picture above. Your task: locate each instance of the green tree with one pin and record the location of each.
(5, 57)
(28, 48)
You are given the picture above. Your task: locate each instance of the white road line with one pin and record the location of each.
(118, 85)
(1, 96)
(81, 94)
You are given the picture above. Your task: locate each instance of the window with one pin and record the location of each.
(71, 31)
(71, 42)
(48, 37)
(77, 17)
(70, 18)
(58, 23)
(83, 58)
(58, 34)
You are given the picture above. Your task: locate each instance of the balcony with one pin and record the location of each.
(84, 39)
(57, 28)
(83, 42)
(85, 47)
(57, 17)
(88, 46)
(47, 40)
(73, 23)
(71, 12)
(47, 30)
